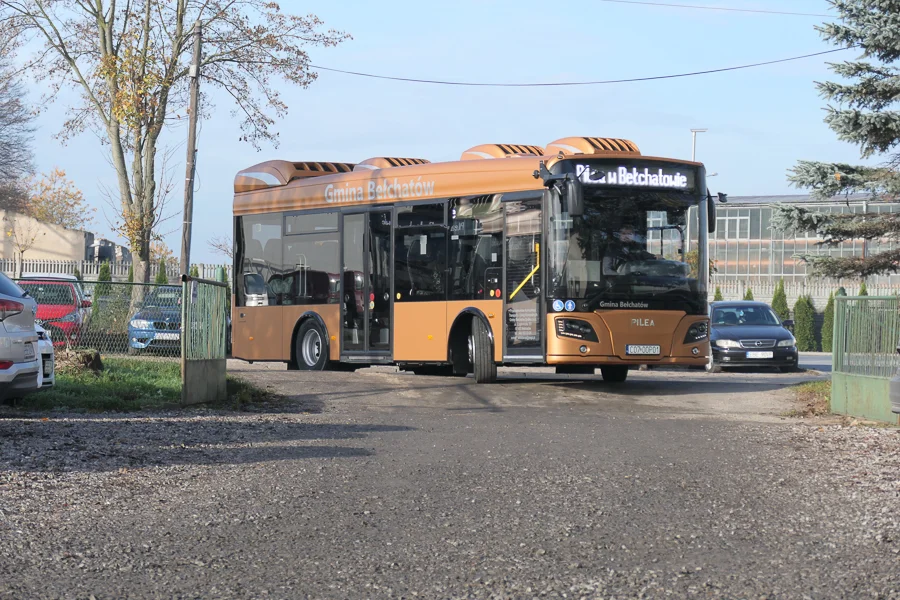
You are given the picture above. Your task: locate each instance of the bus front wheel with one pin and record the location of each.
(311, 350)
(483, 364)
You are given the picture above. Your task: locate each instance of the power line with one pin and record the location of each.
(742, 10)
(573, 83)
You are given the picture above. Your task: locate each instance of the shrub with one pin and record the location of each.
(748, 295)
(804, 324)
(863, 290)
(78, 275)
(195, 271)
(161, 277)
(779, 302)
(718, 297)
(828, 325)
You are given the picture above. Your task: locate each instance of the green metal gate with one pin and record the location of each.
(864, 355)
(204, 309)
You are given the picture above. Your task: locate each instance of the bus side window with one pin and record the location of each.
(259, 254)
(476, 247)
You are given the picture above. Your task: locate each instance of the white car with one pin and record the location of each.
(19, 364)
(47, 374)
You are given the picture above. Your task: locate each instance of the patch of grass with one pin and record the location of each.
(127, 385)
(814, 399)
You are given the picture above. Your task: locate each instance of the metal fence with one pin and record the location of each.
(864, 357)
(866, 334)
(203, 344)
(90, 269)
(112, 317)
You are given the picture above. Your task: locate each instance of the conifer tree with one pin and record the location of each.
(863, 290)
(828, 325)
(718, 297)
(78, 275)
(748, 295)
(804, 324)
(195, 271)
(862, 110)
(161, 277)
(779, 302)
(130, 274)
(103, 287)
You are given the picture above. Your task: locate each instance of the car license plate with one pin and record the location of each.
(760, 354)
(641, 350)
(29, 351)
(168, 336)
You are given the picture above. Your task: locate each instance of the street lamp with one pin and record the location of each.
(694, 133)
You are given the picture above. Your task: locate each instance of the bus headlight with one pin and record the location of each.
(575, 328)
(697, 332)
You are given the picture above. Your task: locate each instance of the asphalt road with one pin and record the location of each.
(820, 361)
(379, 484)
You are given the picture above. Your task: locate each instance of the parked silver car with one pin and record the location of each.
(19, 359)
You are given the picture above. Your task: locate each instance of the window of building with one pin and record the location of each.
(476, 247)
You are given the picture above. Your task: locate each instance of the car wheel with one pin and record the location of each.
(312, 353)
(132, 351)
(614, 373)
(713, 367)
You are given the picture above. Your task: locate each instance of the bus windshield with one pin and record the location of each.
(626, 251)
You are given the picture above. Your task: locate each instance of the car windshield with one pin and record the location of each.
(744, 315)
(50, 293)
(164, 298)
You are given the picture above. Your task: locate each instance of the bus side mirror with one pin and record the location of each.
(574, 198)
(710, 214)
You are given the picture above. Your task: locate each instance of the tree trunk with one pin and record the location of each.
(141, 275)
(20, 259)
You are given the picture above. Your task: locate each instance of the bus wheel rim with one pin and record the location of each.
(312, 347)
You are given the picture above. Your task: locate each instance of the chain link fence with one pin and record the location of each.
(114, 318)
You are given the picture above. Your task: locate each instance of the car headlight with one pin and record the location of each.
(787, 343)
(69, 318)
(728, 344)
(141, 324)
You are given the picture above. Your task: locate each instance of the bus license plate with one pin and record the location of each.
(760, 355)
(641, 350)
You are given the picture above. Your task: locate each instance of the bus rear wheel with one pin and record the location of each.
(614, 373)
(311, 351)
(480, 353)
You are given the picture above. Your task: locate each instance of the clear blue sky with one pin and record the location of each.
(761, 121)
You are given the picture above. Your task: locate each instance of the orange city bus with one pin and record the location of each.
(573, 255)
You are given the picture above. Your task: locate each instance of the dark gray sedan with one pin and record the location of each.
(749, 334)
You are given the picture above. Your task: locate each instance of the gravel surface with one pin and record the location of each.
(377, 484)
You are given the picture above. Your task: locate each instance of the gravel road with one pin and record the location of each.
(377, 484)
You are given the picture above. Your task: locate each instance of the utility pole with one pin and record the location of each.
(187, 224)
(694, 133)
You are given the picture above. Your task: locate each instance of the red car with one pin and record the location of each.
(60, 309)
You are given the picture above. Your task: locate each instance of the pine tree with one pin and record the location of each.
(861, 110)
(748, 295)
(161, 277)
(718, 297)
(130, 273)
(828, 325)
(779, 302)
(863, 290)
(103, 287)
(195, 271)
(804, 324)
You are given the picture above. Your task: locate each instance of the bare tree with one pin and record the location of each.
(222, 245)
(24, 231)
(130, 62)
(16, 128)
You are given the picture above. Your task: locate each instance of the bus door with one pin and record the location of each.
(366, 284)
(524, 308)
